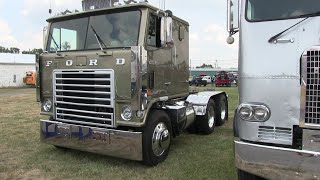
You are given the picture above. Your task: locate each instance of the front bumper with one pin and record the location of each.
(122, 144)
(277, 163)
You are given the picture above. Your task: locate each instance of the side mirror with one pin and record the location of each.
(45, 33)
(233, 18)
(166, 32)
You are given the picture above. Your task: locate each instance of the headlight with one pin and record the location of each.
(245, 112)
(46, 105)
(261, 113)
(126, 113)
(254, 112)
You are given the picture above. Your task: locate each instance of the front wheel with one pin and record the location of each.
(207, 122)
(157, 135)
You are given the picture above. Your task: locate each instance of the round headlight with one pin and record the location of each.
(245, 112)
(261, 113)
(126, 113)
(46, 105)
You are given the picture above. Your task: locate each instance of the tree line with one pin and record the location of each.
(15, 50)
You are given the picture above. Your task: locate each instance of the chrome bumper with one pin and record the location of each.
(123, 144)
(277, 163)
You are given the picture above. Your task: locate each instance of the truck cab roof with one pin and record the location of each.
(104, 10)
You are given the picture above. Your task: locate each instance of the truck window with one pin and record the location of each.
(67, 35)
(259, 10)
(153, 31)
(116, 30)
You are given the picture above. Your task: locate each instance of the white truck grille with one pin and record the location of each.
(312, 109)
(84, 97)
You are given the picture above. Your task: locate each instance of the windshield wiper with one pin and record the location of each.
(274, 38)
(99, 40)
(55, 42)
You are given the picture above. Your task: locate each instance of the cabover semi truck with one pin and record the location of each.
(277, 122)
(114, 81)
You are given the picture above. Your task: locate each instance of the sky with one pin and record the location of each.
(22, 22)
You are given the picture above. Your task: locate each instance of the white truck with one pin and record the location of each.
(277, 122)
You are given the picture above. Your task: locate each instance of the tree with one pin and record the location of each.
(205, 66)
(33, 51)
(14, 50)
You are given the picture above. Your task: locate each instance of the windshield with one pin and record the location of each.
(115, 30)
(266, 10)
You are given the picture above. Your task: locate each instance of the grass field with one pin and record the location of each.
(22, 156)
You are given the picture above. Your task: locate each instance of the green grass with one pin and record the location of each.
(22, 156)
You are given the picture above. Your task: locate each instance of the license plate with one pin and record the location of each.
(100, 136)
(63, 130)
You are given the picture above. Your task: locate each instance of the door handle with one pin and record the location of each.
(283, 41)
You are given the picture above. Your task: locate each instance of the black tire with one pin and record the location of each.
(242, 175)
(203, 124)
(221, 110)
(156, 119)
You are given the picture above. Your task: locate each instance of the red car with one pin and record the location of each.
(223, 78)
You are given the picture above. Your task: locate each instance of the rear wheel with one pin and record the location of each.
(222, 110)
(157, 135)
(207, 122)
(242, 175)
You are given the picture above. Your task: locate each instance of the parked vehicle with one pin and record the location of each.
(116, 94)
(223, 78)
(198, 81)
(277, 122)
(208, 79)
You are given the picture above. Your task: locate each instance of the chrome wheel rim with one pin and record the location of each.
(211, 117)
(160, 139)
(223, 110)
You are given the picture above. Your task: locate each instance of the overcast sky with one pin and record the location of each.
(22, 21)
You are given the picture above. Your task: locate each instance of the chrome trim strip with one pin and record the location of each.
(136, 78)
(122, 144)
(85, 117)
(79, 71)
(82, 111)
(84, 79)
(82, 85)
(80, 104)
(85, 98)
(84, 92)
(312, 125)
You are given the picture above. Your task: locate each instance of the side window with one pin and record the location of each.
(55, 42)
(65, 39)
(69, 39)
(152, 31)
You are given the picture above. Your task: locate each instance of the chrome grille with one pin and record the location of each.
(312, 80)
(84, 97)
(275, 133)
